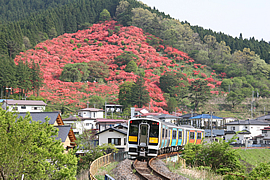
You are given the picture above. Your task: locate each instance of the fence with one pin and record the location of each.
(106, 160)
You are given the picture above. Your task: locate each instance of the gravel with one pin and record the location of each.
(160, 166)
(123, 171)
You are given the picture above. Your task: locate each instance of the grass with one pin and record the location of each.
(192, 173)
(255, 156)
(106, 170)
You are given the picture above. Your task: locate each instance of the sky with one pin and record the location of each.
(232, 17)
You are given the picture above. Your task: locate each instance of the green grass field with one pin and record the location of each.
(255, 156)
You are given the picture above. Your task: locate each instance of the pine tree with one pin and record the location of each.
(140, 96)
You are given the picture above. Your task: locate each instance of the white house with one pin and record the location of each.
(24, 105)
(137, 111)
(85, 120)
(114, 136)
(249, 128)
(263, 138)
(90, 113)
(80, 124)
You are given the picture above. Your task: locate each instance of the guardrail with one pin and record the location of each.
(104, 161)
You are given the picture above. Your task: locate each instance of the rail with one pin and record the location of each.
(104, 161)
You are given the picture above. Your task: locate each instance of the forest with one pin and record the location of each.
(236, 67)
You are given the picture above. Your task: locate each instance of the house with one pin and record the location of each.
(137, 111)
(263, 138)
(24, 105)
(168, 118)
(183, 120)
(90, 113)
(148, 115)
(249, 129)
(114, 136)
(103, 124)
(215, 133)
(80, 124)
(206, 121)
(65, 132)
(86, 119)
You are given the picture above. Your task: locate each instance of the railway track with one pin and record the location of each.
(146, 171)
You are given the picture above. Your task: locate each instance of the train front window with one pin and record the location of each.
(143, 130)
(134, 128)
(154, 129)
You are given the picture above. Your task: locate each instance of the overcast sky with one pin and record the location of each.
(232, 17)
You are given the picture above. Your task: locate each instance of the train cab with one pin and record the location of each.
(143, 137)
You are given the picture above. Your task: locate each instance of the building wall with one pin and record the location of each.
(88, 114)
(26, 108)
(255, 130)
(103, 138)
(80, 126)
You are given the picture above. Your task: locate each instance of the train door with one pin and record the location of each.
(199, 137)
(192, 136)
(143, 134)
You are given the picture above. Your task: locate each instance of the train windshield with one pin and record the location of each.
(154, 129)
(134, 128)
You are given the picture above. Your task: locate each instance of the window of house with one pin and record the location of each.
(15, 108)
(233, 128)
(87, 124)
(23, 107)
(264, 131)
(125, 141)
(94, 114)
(84, 113)
(36, 108)
(115, 141)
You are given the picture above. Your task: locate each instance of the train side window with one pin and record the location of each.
(166, 133)
(163, 133)
(199, 136)
(192, 135)
(174, 134)
(180, 135)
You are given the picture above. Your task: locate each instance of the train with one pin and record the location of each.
(149, 137)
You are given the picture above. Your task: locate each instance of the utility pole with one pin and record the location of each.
(105, 111)
(252, 105)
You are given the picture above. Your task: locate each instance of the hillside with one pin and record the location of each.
(98, 44)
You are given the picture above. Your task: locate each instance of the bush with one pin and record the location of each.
(79, 45)
(217, 155)
(71, 41)
(86, 40)
(100, 44)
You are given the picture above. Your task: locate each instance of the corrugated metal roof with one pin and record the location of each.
(40, 116)
(246, 122)
(63, 132)
(91, 109)
(26, 102)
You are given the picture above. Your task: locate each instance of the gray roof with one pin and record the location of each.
(111, 128)
(76, 118)
(91, 109)
(216, 132)
(40, 116)
(186, 116)
(265, 117)
(63, 132)
(26, 102)
(247, 122)
(166, 116)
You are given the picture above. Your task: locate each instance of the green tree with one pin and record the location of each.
(125, 58)
(125, 94)
(29, 148)
(172, 104)
(235, 97)
(105, 15)
(92, 152)
(97, 70)
(199, 93)
(140, 96)
(131, 67)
